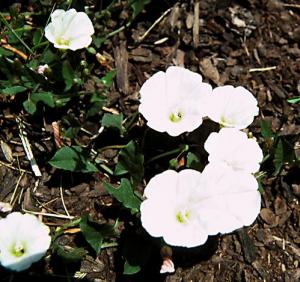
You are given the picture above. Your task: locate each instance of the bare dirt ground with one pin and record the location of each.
(250, 43)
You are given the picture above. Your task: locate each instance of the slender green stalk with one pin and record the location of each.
(4, 21)
(180, 150)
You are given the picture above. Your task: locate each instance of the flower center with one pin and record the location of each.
(176, 117)
(184, 216)
(63, 41)
(18, 249)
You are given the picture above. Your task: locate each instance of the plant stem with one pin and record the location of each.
(180, 150)
(14, 33)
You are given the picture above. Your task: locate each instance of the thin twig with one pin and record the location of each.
(48, 214)
(63, 202)
(16, 188)
(291, 5)
(14, 168)
(262, 69)
(141, 38)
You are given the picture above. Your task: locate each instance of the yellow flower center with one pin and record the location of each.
(18, 249)
(183, 217)
(176, 117)
(63, 41)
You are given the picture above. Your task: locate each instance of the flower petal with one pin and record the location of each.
(232, 107)
(234, 148)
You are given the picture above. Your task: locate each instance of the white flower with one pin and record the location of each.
(232, 107)
(174, 101)
(23, 241)
(233, 148)
(230, 199)
(185, 207)
(171, 210)
(69, 29)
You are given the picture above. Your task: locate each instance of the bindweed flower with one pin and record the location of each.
(69, 29)
(171, 209)
(230, 199)
(174, 101)
(232, 107)
(233, 148)
(23, 241)
(185, 207)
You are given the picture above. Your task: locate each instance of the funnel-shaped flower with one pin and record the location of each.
(185, 207)
(174, 101)
(23, 241)
(233, 148)
(232, 107)
(230, 199)
(69, 29)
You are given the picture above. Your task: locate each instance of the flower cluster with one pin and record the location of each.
(186, 207)
(23, 241)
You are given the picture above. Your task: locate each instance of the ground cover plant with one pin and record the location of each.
(145, 142)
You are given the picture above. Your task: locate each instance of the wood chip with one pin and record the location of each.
(209, 70)
(121, 61)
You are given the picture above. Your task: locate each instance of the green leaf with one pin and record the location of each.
(95, 233)
(137, 251)
(29, 106)
(108, 79)
(73, 158)
(192, 161)
(137, 6)
(124, 194)
(43, 97)
(131, 269)
(69, 254)
(5, 53)
(284, 153)
(294, 100)
(37, 36)
(110, 120)
(130, 160)
(266, 129)
(13, 90)
(49, 57)
(68, 75)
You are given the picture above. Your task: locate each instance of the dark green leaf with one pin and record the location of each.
(284, 153)
(266, 129)
(108, 79)
(71, 132)
(124, 194)
(13, 90)
(43, 97)
(192, 161)
(69, 254)
(110, 120)
(5, 53)
(49, 57)
(61, 101)
(37, 36)
(29, 106)
(131, 269)
(98, 41)
(73, 158)
(138, 6)
(68, 75)
(130, 160)
(95, 233)
(95, 109)
(137, 251)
